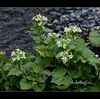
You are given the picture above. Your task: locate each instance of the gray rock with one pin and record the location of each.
(85, 22)
(70, 11)
(90, 17)
(73, 15)
(50, 24)
(54, 13)
(85, 29)
(55, 21)
(72, 19)
(57, 9)
(64, 18)
(92, 21)
(92, 25)
(58, 27)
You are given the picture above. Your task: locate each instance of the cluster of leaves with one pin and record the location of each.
(49, 70)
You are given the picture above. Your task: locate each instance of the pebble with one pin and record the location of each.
(55, 21)
(85, 22)
(55, 13)
(64, 18)
(58, 28)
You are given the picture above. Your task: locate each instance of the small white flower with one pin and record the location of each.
(13, 53)
(75, 38)
(63, 43)
(49, 34)
(59, 43)
(97, 56)
(13, 59)
(72, 28)
(61, 53)
(40, 18)
(66, 52)
(64, 46)
(64, 60)
(18, 58)
(2, 52)
(68, 40)
(17, 55)
(79, 30)
(53, 35)
(40, 23)
(43, 36)
(43, 27)
(75, 29)
(66, 29)
(65, 56)
(45, 18)
(57, 35)
(24, 57)
(70, 56)
(18, 50)
(36, 19)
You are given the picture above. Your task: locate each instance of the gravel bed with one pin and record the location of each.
(15, 21)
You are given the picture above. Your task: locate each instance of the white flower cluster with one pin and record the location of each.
(2, 52)
(65, 56)
(41, 19)
(72, 29)
(53, 35)
(17, 55)
(43, 36)
(63, 43)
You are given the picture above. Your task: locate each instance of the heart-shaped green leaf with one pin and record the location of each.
(94, 37)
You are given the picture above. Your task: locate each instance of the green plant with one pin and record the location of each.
(21, 73)
(70, 58)
(63, 62)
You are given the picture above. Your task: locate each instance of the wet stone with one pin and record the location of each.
(58, 27)
(85, 22)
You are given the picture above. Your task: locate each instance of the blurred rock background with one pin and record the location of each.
(15, 21)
